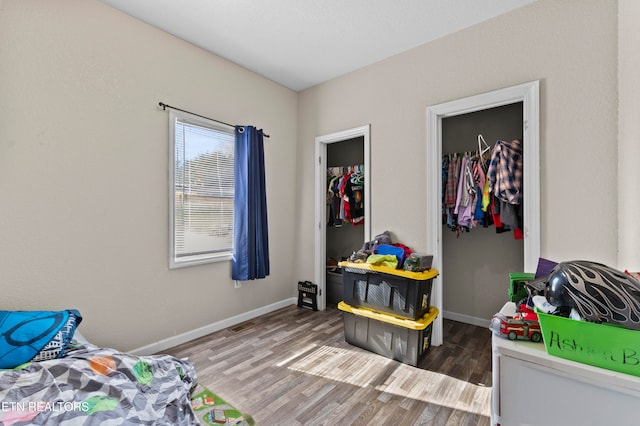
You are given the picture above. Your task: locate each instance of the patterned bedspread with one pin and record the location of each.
(97, 386)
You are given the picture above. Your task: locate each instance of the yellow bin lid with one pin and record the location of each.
(421, 276)
(419, 324)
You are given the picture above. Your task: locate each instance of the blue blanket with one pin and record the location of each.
(35, 335)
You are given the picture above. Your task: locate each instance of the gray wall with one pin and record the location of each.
(79, 123)
(555, 42)
(84, 171)
(628, 134)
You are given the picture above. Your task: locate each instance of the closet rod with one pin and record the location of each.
(353, 166)
(165, 106)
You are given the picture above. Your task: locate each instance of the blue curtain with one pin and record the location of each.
(251, 236)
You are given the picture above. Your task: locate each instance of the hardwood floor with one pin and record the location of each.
(293, 367)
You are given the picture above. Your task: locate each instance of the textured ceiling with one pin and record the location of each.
(301, 43)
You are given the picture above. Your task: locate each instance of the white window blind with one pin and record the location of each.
(202, 190)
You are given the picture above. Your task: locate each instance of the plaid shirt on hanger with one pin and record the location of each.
(505, 171)
(451, 187)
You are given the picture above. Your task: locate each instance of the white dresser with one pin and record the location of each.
(533, 388)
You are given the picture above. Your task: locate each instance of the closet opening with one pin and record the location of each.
(345, 227)
(479, 248)
(526, 95)
(343, 165)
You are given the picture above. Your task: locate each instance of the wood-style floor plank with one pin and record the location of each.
(294, 367)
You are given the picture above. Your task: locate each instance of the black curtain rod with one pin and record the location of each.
(165, 106)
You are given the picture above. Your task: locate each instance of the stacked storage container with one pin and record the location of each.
(388, 311)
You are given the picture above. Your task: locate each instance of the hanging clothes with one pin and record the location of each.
(505, 181)
(354, 190)
(345, 195)
(452, 182)
(484, 191)
(466, 194)
(333, 201)
(505, 171)
(480, 179)
(445, 175)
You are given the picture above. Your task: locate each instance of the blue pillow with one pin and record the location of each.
(35, 335)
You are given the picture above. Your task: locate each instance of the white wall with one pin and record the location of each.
(629, 134)
(84, 171)
(570, 46)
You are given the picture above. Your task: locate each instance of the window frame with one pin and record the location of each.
(202, 258)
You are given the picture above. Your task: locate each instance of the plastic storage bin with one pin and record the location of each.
(407, 341)
(601, 345)
(398, 292)
(334, 287)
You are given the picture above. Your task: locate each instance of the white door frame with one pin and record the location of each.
(321, 197)
(528, 94)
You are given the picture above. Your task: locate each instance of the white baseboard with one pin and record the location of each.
(481, 322)
(211, 328)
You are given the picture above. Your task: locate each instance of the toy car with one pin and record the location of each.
(516, 327)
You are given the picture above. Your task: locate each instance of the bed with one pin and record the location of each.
(50, 374)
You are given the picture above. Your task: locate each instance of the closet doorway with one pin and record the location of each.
(476, 259)
(527, 94)
(345, 149)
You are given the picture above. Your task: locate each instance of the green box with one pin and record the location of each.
(602, 345)
(517, 290)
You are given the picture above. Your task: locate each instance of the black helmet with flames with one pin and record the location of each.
(599, 293)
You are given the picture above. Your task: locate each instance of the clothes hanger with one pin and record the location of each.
(486, 148)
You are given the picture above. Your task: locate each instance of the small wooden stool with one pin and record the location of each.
(307, 290)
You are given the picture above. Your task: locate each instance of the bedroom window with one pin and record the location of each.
(201, 180)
